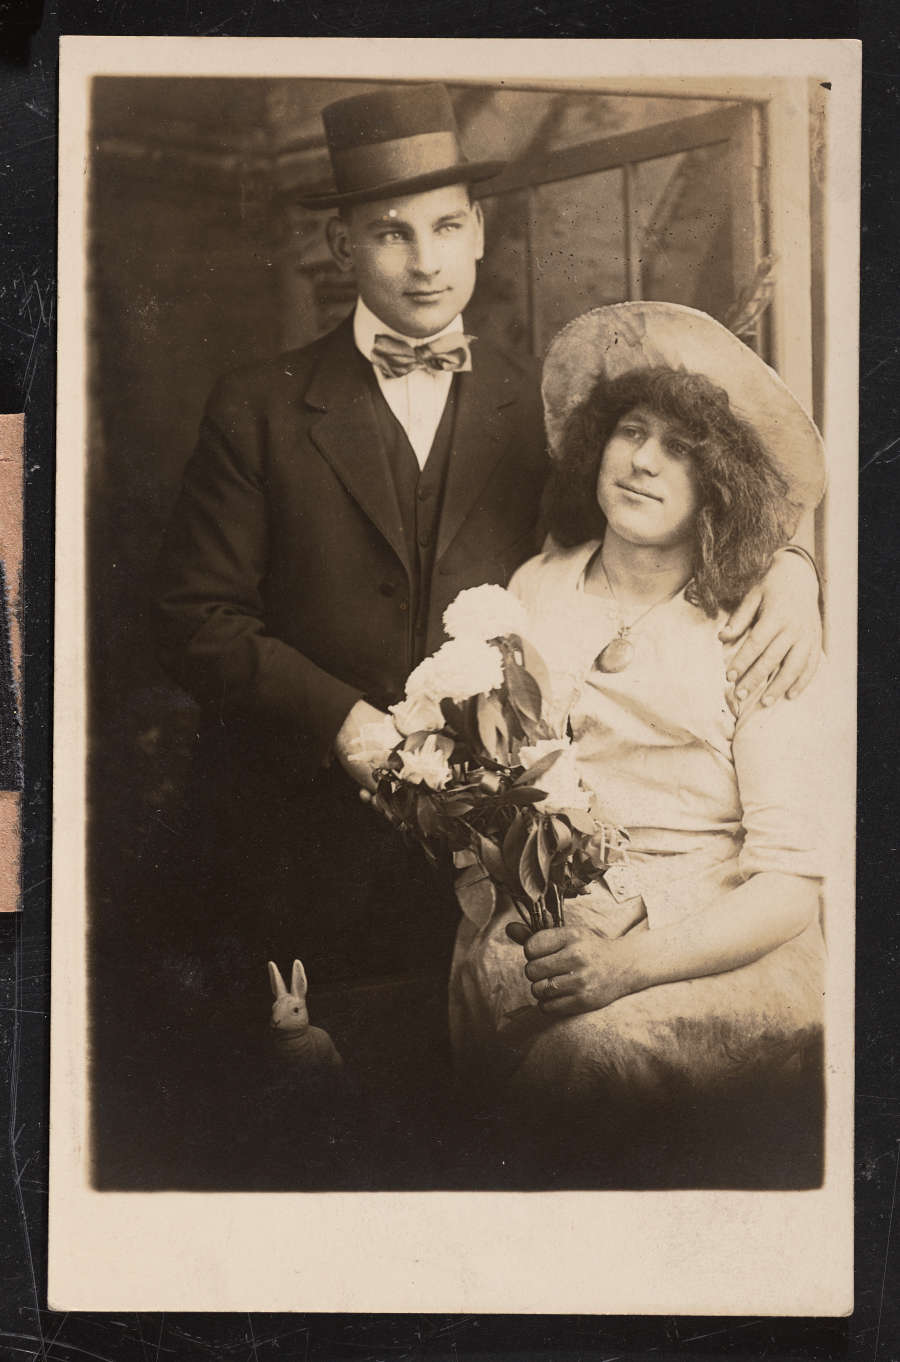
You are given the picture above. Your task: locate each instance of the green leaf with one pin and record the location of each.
(554, 904)
(384, 802)
(524, 692)
(533, 774)
(407, 800)
(546, 846)
(532, 878)
(442, 743)
(536, 666)
(491, 857)
(470, 721)
(492, 727)
(451, 712)
(564, 838)
(513, 845)
(522, 795)
(458, 836)
(427, 817)
(457, 721)
(519, 731)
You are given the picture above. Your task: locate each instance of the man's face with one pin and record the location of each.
(414, 257)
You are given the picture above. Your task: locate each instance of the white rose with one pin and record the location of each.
(420, 681)
(418, 714)
(375, 742)
(531, 755)
(464, 667)
(485, 612)
(427, 765)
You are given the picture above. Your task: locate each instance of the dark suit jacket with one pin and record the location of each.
(285, 577)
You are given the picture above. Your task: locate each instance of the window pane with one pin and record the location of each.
(682, 224)
(500, 307)
(579, 249)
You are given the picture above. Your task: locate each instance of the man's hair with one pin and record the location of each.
(744, 512)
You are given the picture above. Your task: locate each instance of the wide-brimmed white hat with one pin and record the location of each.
(626, 336)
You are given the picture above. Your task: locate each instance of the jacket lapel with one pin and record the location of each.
(346, 434)
(480, 437)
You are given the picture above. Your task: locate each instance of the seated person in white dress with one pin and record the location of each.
(682, 464)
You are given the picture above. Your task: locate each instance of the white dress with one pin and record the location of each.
(709, 799)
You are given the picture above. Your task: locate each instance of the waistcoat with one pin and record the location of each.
(420, 494)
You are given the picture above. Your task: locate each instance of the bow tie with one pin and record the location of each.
(393, 358)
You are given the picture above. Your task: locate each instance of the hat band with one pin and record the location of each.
(376, 163)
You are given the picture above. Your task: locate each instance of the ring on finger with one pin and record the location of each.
(549, 986)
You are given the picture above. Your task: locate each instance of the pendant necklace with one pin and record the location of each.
(619, 652)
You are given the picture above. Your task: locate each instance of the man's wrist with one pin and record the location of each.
(347, 724)
(637, 963)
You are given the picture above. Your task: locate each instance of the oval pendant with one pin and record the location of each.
(616, 656)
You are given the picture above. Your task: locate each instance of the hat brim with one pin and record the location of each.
(642, 335)
(466, 172)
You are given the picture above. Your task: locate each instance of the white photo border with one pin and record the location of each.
(712, 1252)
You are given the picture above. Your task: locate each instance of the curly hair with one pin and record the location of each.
(745, 513)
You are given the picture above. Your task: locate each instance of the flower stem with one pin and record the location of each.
(524, 914)
(535, 906)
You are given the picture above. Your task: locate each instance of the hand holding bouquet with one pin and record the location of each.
(479, 771)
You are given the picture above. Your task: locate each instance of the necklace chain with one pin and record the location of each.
(624, 627)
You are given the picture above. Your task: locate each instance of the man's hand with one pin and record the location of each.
(573, 970)
(363, 742)
(784, 642)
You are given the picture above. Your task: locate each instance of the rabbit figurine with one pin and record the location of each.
(307, 1044)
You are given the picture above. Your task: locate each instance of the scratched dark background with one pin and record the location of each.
(28, 38)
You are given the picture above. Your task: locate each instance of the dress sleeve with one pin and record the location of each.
(781, 762)
(526, 579)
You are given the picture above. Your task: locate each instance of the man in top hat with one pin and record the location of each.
(340, 496)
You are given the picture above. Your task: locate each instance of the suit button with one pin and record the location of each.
(424, 540)
(423, 493)
(404, 606)
(387, 588)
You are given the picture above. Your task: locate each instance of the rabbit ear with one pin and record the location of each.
(298, 979)
(275, 979)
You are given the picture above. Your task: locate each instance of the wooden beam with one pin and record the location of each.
(607, 153)
(633, 271)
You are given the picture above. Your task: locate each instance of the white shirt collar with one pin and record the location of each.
(366, 326)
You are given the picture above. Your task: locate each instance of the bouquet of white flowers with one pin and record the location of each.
(480, 772)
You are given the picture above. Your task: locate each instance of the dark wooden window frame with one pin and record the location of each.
(739, 123)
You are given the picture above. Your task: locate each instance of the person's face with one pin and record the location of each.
(414, 257)
(647, 484)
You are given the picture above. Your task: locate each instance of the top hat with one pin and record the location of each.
(624, 336)
(399, 140)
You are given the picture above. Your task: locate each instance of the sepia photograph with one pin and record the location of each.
(455, 519)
